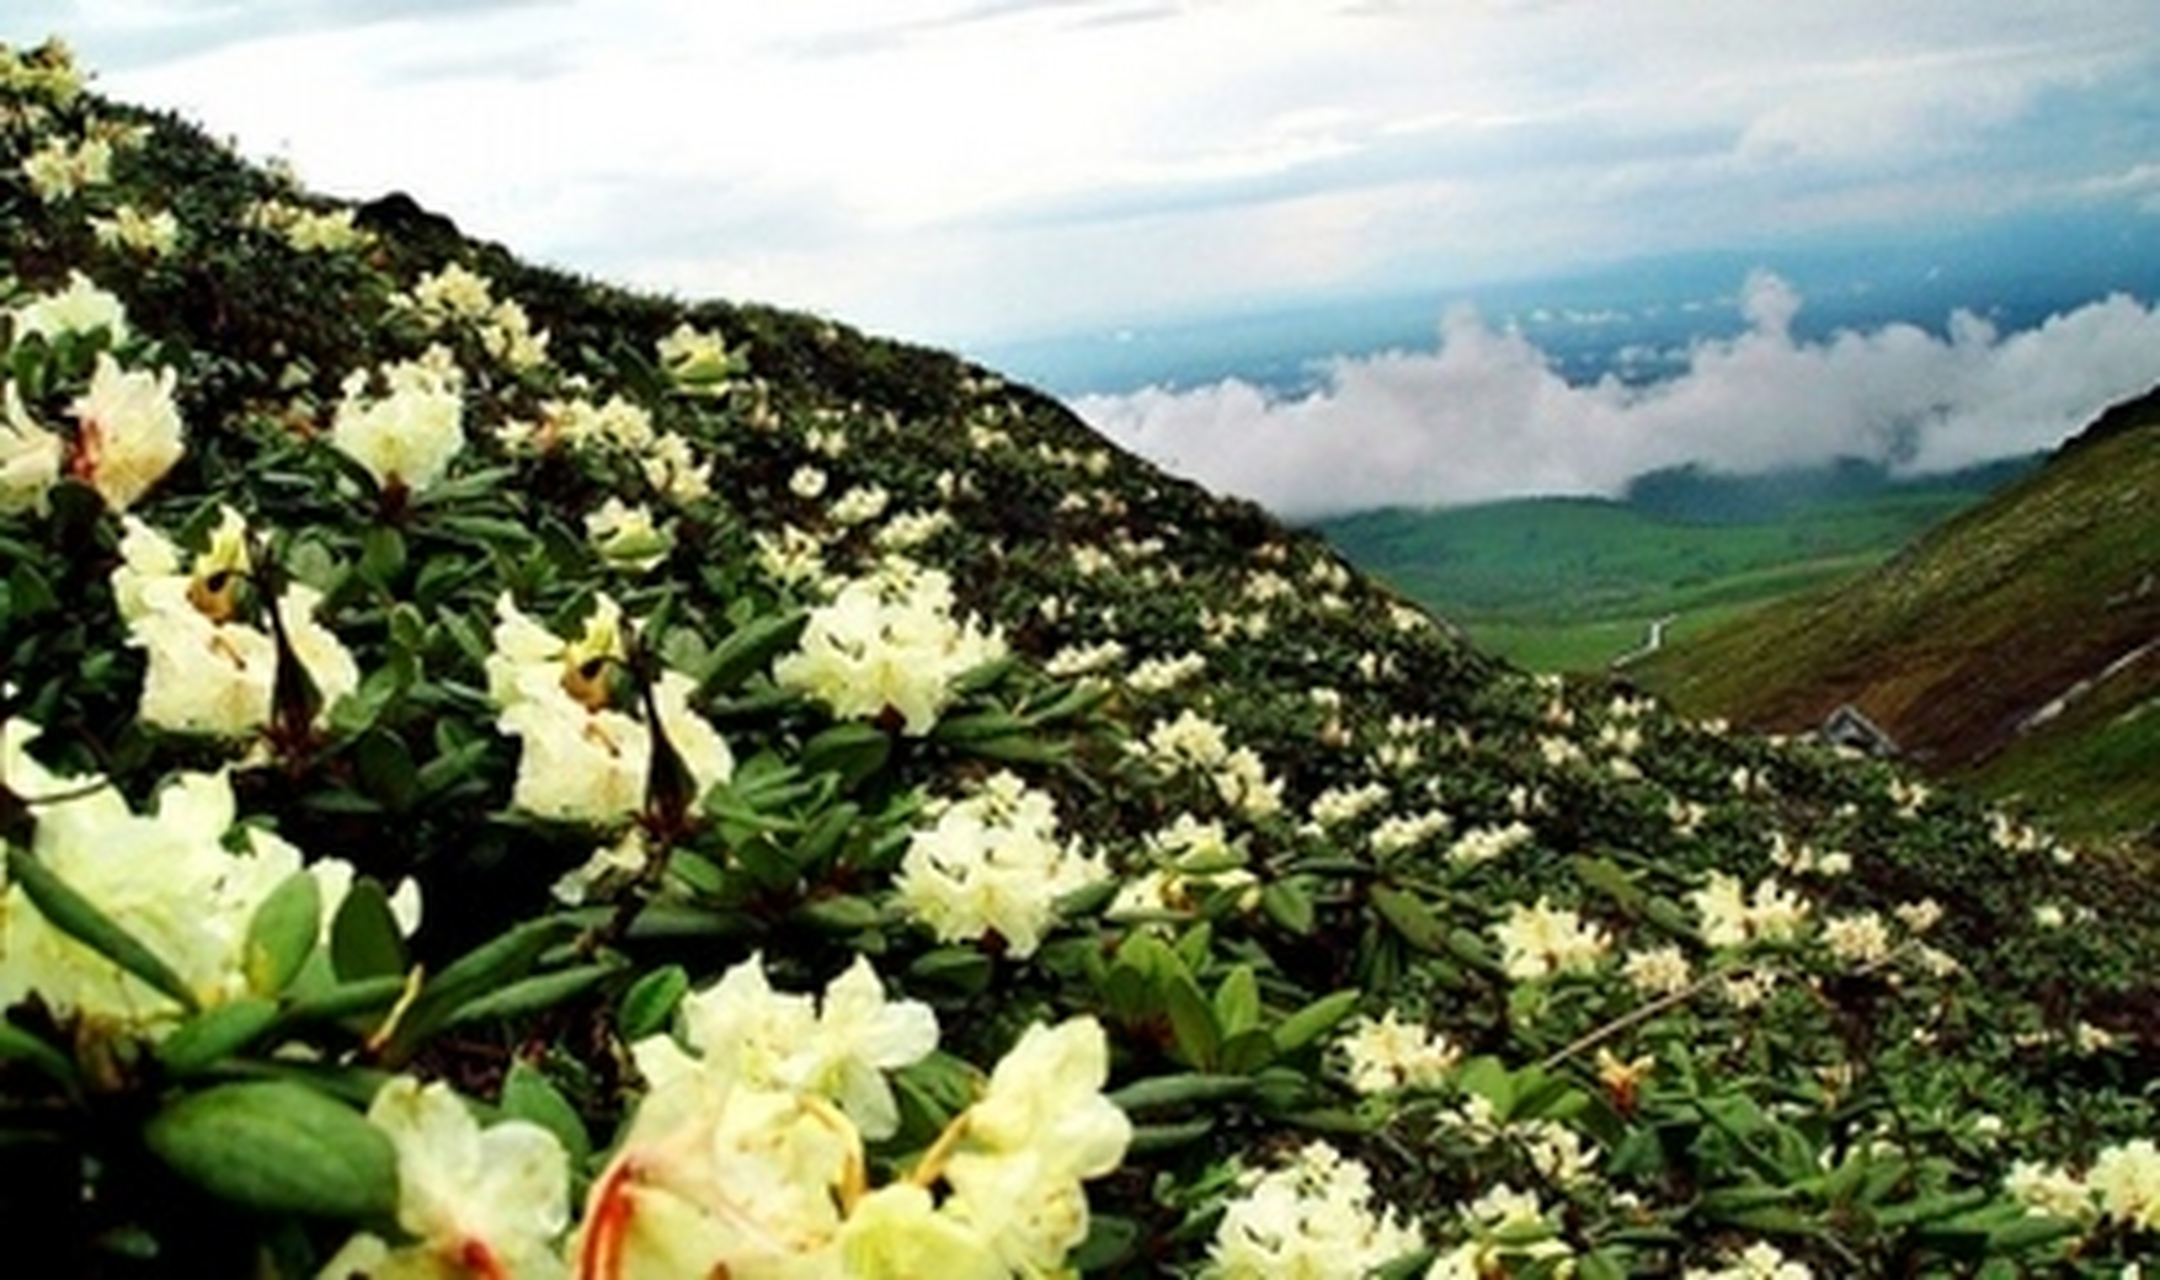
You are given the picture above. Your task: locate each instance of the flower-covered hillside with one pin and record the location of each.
(503, 776)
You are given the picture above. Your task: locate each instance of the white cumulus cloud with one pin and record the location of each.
(1486, 414)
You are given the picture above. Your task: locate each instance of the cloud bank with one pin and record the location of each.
(1486, 415)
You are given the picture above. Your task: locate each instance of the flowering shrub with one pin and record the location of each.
(454, 716)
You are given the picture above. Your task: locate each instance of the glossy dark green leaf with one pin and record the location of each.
(215, 1034)
(278, 1147)
(282, 933)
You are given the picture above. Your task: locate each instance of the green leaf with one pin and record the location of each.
(851, 749)
(1237, 1001)
(345, 999)
(649, 1005)
(1192, 1023)
(1162, 1137)
(1315, 1020)
(487, 973)
(1187, 1089)
(1245, 1052)
(18, 1045)
(748, 649)
(961, 969)
(382, 555)
(386, 769)
(215, 1034)
(531, 995)
(1410, 918)
(528, 1094)
(80, 919)
(1605, 876)
(282, 933)
(1288, 904)
(365, 941)
(279, 1147)
(842, 913)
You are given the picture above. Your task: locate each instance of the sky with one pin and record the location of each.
(971, 173)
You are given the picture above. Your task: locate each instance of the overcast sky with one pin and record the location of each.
(972, 173)
(956, 170)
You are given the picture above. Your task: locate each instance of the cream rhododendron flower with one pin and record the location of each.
(888, 645)
(738, 1163)
(993, 863)
(82, 308)
(1315, 1217)
(408, 433)
(477, 1202)
(699, 363)
(838, 1048)
(128, 432)
(208, 672)
(581, 759)
(1541, 940)
(30, 459)
(1385, 1054)
(1041, 1128)
(898, 1233)
(2127, 1180)
(166, 876)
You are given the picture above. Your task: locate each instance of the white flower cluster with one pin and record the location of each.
(1401, 832)
(1385, 1054)
(582, 758)
(1731, 917)
(1759, 1261)
(167, 876)
(1542, 940)
(1189, 858)
(887, 644)
(1314, 1217)
(209, 672)
(494, 1200)
(61, 169)
(746, 1156)
(127, 433)
(307, 230)
(2123, 1184)
(1339, 805)
(155, 234)
(993, 863)
(627, 537)
(1192, 743)
(1507, 1228)
(698, 363)
(458, 296)
(48, 73)
(1484, 844)
(405, 434)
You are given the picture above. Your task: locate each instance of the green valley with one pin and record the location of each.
(1570, 584)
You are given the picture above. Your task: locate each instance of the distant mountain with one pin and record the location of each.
(2018, 645)
(1695, 494)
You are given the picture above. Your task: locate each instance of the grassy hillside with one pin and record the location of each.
(501, 776)
(2013, 646)
(1572, 583)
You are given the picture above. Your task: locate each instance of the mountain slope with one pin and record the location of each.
(2014, 644)
(505, 776)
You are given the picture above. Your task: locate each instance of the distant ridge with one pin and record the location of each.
(2015, 645)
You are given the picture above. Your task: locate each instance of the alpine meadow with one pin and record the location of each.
(505, 776)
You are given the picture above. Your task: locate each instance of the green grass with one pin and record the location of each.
(1569, 584)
